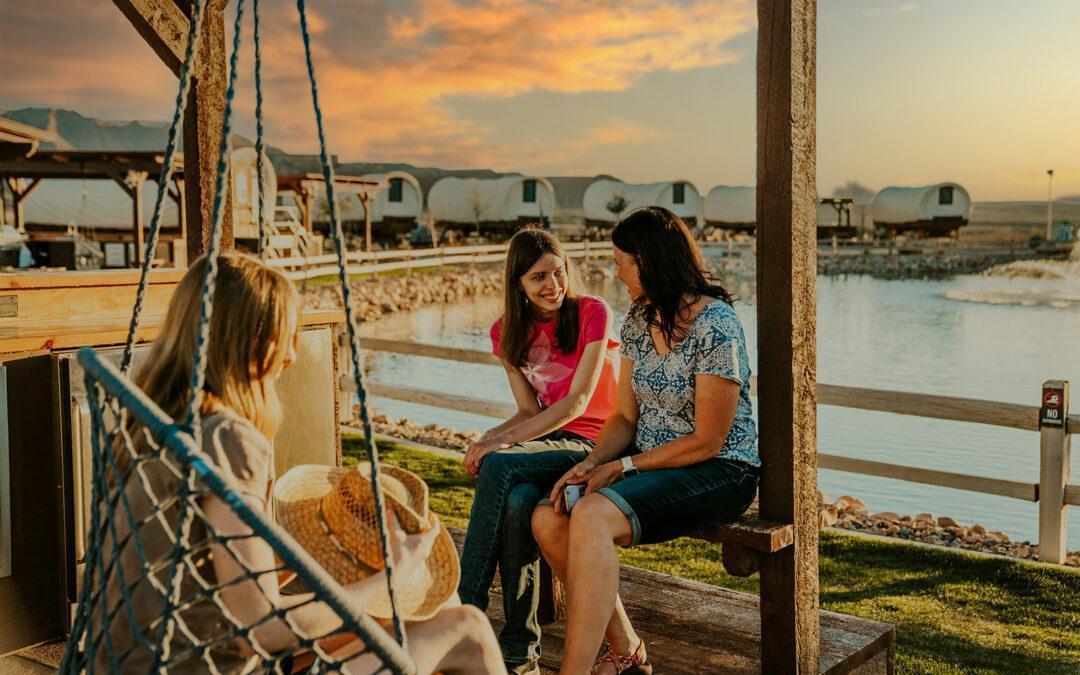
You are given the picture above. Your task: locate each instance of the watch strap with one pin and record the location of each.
(628, 468)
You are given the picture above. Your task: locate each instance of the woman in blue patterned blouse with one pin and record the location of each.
(659, 470)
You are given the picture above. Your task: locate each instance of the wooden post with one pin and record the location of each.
(1054, 450)
(136, 180)
(164, 26)
(131, 183)
(365, 201)
(786, 310)
(202, 134)
(18, 196)
(306, 204)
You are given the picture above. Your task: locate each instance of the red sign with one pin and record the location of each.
(1052, 413)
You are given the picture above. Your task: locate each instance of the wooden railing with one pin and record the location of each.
(374, 262)
(1054, 443)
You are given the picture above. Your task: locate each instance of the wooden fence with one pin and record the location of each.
(374, 262)
(1052, 491)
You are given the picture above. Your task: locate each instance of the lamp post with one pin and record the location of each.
(1050, 205)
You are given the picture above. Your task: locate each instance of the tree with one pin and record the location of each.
(477, 206)
(856, 190)
(617, 204)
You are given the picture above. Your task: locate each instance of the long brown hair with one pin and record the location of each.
(670, 266)
(527, 247)
(255, 320)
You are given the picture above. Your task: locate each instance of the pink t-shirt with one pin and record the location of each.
(550, 372)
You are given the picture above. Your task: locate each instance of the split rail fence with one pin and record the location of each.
(299, 268)
(1052, 492)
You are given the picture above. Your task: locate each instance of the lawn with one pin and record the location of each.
(954, 613)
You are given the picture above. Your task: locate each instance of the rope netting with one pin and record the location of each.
(162, 585)
(160, 576)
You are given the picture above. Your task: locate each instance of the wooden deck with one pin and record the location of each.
(691, 627)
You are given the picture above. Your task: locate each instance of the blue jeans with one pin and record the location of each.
(665, 504)
(510, 484)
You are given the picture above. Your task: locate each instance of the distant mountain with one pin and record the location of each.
(1074, 199)
(77, 132)
(86, 133)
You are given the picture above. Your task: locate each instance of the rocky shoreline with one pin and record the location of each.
(846, 513)
(849, 513)
(388, 295)
(925, 265)
(391, 294)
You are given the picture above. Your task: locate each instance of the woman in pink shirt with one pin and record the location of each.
(559, 353)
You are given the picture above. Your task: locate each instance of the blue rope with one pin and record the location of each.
(202, 344)
(350, 319)
(206, 302)
(167, 170)
(264, 224)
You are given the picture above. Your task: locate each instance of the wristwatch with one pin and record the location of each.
(628, 468)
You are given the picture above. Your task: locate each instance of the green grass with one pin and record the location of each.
(954, 613)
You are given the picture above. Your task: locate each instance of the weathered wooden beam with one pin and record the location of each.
(164, 25)
(202, 134)
(786, 312)
(18, 196)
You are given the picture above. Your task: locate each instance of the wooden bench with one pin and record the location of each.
(743, 543)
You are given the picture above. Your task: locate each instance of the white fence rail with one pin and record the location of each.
(374, 262)
(1053, 492)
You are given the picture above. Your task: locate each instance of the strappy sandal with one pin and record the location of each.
(631, 665)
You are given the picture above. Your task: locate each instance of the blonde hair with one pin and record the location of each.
(253, 325)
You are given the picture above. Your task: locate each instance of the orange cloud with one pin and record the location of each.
(387, 77)
(388, 98)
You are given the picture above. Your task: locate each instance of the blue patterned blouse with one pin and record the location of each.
(664, 385)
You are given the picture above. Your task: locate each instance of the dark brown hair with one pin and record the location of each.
(527, 247)
(670, 266)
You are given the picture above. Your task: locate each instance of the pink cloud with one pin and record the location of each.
(385, 77)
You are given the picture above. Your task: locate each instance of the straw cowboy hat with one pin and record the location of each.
(331, 513)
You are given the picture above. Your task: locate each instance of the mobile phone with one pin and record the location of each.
(572, 494)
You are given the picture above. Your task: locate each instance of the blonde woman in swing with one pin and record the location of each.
(252, 340)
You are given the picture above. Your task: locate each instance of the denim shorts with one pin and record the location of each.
(665, 504)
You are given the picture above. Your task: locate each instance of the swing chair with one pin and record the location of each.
(152, 482)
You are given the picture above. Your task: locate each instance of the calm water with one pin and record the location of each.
(902, 335)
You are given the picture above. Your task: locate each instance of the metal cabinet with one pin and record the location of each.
(45, 457)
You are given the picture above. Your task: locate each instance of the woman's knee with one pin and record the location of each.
(546, 524)
(493, 466)
(521, 501)
(594, 514)
(474, 624)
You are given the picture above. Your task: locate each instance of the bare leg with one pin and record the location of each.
(456, 640)
(553, 533)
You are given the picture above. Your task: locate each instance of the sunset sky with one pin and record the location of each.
(983, 92)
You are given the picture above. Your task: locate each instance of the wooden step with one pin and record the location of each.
(691, 627)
